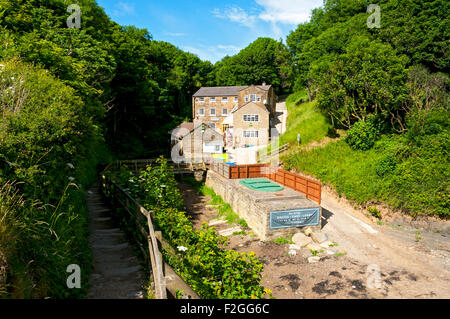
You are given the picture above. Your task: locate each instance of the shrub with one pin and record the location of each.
(374, 212)
(361, 136)
(386, 165)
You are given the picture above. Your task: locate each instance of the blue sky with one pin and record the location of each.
(211, 29)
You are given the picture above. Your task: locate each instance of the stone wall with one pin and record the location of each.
(254, 207)
(219, 105)
(262, 125)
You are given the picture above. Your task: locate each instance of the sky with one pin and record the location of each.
(212, 29)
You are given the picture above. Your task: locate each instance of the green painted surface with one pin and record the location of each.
(261, 184)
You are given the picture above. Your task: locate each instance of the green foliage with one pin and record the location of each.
(198, 256)
(304, 119)
(361, 136)
(281, 241)
(44, 141)
(418, 185)
(356, 71)
(264, 60)
(386, 165)
(369, 78)
(374, 212)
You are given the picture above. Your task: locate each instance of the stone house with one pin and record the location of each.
(242, 113)
(195, 142)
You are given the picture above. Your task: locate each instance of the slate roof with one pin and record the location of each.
(224, 90)
(251, 102)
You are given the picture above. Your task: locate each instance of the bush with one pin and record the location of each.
(374, 212)
(361, 136)
(386, 165)
(46, 149)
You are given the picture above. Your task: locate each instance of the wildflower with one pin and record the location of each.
(70, 165)
(163, 186)
(182, 248)
(131, 181)
(71, 178)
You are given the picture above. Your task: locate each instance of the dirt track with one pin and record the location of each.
(408, 268)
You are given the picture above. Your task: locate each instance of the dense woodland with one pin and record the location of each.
(74, 99)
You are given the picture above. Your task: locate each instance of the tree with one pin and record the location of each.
(369, 78)
(264, 60)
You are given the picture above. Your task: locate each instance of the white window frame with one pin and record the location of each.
(250, 134)
(253, 97)
(211, 111)
(224, 100)
(201, 113)
(250, 118)
(246, 98)
(258, 98)
(236, 99)
(212, 99)
(201, 100)
(225, 113)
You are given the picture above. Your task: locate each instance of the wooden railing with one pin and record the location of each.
(165, 278)
(139, 164)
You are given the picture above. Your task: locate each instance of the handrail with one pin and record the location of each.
(154, 241)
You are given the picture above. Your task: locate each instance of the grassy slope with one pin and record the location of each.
(417, 184)
(305, 119)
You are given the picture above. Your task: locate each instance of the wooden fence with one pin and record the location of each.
(312, 189)
(165, 278)
(238, 171)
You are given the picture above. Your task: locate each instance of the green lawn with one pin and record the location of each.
(304, 118)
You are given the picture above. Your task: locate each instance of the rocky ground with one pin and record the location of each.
(353, 257)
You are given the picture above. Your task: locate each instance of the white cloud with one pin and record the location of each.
(236, 14)
(175, 34)
(287, 11)
(124, 9)
(212, 53)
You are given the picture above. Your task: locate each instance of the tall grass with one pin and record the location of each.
(11, 203)
(304, 118)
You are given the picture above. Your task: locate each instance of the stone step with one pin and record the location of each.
(230, 231)
(102, 210)
(113, 247)
(214, 222)
(102, 219)
(124, 271)
(108, 231)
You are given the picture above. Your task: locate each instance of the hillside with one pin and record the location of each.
(74, 100)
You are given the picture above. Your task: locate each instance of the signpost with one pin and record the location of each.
(295, 218)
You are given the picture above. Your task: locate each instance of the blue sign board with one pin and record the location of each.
(295, 218)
